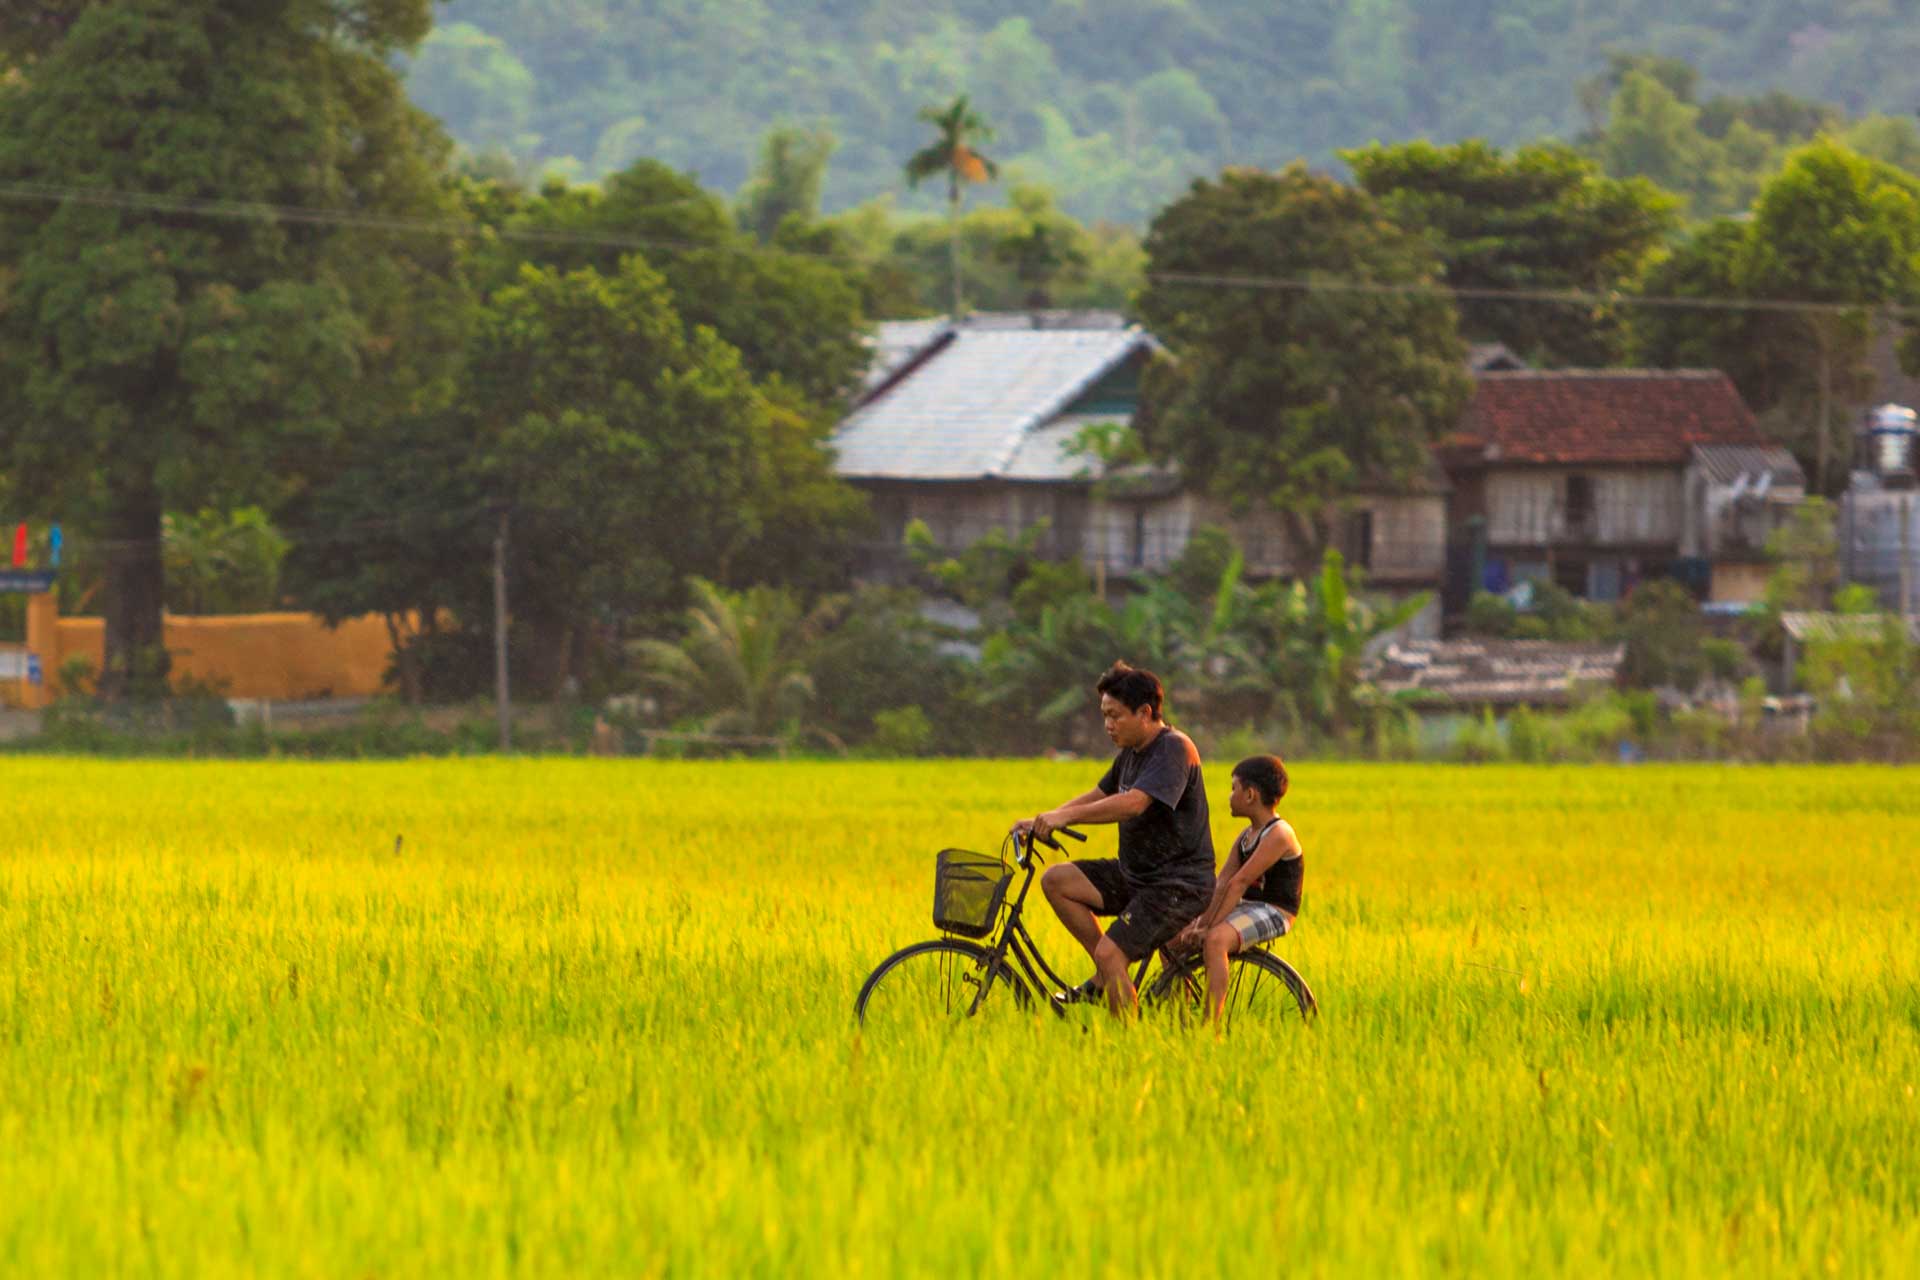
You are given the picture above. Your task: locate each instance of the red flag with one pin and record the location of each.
(20, 547)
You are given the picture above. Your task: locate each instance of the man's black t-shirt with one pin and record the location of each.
(1170, 842)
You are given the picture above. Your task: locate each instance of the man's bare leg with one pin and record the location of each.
(1074, 899)
(1110, 962)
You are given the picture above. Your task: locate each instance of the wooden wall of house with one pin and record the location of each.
(1628, 506)
(1409, 536)
(1407, 533)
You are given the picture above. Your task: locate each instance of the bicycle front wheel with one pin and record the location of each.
(945, 980)
(1261, 987)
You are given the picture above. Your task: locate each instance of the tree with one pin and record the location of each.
(627, 451)
(1329, 371)
(1295, 651)
(1049, 249)
(1542, 218)
(1832, 230)
(1835, 228)
(402, 529)
(791, 316)
(786, 182)
(1806, 557)
(222, 562)
(155, 359)
(956, 155)
(741, 663)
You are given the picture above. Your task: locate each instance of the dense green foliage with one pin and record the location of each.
(1287, 394)
(1541, 219)
(1830, 227)
(153, 361)
(520, 1018)
(1116, 104)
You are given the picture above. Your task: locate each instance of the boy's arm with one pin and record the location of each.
(1217, 906)
(1276, 844)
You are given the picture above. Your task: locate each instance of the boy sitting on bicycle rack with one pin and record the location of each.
(1155, 792)
(1257, 894)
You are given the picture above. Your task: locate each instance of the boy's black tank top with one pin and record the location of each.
(1281, 885)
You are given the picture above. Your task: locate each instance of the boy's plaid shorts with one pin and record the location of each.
(1257, 922)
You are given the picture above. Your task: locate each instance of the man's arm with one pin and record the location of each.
(1085, 798)
(1093, 809)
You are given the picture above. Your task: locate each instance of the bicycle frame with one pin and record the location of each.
(1014, 938)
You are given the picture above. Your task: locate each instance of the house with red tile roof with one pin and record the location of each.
(1596, 479)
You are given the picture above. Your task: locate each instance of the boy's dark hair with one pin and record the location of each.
(1132, 687)
(1265, 774)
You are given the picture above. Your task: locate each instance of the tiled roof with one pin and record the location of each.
(1585, 416)
(1498, 672)
(968, 410)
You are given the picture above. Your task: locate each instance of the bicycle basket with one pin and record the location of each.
(968, 890)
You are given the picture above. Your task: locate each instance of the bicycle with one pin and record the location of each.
(958, 975)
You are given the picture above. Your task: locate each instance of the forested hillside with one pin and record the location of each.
(1112, 103)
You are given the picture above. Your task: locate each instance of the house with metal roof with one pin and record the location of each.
(1595, 479)
(984, 425)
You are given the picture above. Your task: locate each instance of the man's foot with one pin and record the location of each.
(1087, 992)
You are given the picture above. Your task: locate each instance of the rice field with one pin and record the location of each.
(505, 1018)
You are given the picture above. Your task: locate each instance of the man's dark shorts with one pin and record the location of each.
(1150, 914)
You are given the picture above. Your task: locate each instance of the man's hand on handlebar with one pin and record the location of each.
(1042, 829)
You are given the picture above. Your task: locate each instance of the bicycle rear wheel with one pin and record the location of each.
(1260, 987)
(945, 980)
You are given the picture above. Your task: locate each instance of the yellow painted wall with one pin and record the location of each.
(256, 655)
(1740, 583)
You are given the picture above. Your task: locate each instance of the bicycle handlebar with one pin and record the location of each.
(1053, 844)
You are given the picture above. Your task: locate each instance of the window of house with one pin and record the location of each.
(1579, 505)
(1360, 539)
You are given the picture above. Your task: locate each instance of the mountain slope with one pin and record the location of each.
(1114, 103)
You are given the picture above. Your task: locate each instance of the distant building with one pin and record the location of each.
(1880, 512)
(1465, 674)
(972, 427)
(1598, 479)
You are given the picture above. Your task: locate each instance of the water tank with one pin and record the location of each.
(1891, 430)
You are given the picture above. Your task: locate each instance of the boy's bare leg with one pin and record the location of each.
(1221, 941)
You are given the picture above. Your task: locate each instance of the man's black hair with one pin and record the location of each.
(1133, 687)
(1265, 774)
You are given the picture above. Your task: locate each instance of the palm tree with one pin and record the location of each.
(741, 664)
(955, 154)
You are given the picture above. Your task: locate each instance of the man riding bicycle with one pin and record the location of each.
(1163, 877)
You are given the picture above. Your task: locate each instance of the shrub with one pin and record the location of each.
(902, 731)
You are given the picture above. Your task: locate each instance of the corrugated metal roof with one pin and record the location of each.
(967, 412)
(1835, 626)
(1726, 463)
(895, 342)
(1500, 672)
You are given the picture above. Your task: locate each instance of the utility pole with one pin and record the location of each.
(501, 694)
(1906, 557)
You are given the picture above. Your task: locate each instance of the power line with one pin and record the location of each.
(191, 206)
(1559, 297)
